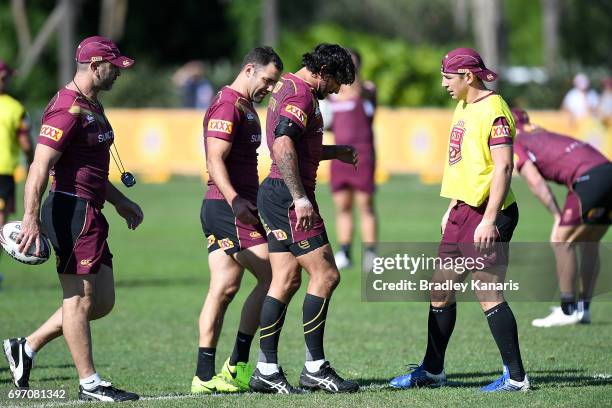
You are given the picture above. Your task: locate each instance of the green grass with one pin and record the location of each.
(148, 344)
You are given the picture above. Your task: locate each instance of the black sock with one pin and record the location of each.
(568, 303)
(206, 363)
(314, 313)
(503, 327)
(585, 302)
(440, 327)
(346, 248)
(242, 346)
(272, 320)
(370, 248)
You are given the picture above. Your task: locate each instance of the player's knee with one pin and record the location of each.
(264, 279)
(489, 299)
(440, 298)
(565, 246)
(328, 280)
(333, 279)
(228, 292)
(81, 305)
(289, 285)
(102, 307)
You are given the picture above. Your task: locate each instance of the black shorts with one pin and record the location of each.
(278, 213)
(594, 188)
(78, 231)
(224, 230)
(7, 193)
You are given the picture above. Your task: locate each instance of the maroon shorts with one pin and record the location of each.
(223, 230)
(7, 194)
(458, 237)
(278, 213)
(345, 177)
(78, 231)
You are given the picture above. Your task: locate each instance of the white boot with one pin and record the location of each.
(557, 318)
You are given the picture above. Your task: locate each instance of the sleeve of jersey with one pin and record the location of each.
(58, 129)
(501, 134)
(520, 156)
(223, 122)
(296, 109)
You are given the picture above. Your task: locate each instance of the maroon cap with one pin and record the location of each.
(99, 48)
(462, 60)
(5, 68)
(521, 118)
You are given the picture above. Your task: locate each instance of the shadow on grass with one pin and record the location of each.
(122, 283)
(560, 377)
(157, 282)
(538, 378)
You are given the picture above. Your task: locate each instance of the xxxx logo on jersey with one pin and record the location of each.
(222, 126)
(297, 113)
(456, 139)
(51, 132)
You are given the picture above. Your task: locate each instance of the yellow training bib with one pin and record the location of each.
(11, 115)
(468, 171)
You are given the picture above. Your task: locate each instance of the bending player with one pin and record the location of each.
(543, 156)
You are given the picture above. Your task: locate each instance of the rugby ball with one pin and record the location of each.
(8, 238)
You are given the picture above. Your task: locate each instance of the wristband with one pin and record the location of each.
(302, 202)
(486, 222)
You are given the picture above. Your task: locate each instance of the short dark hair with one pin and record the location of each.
(263, 56)
(331, 59)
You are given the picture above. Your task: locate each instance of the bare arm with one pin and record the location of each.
(217, 151)
(486, 232)
(126, 208)
(44, 159)
(540, 188)
(23, 137)
(286, 159)
(502, 175)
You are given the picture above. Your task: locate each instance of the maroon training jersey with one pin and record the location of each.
(295, 99)
(232, 117)
(353, 118)
(78, 128)
(558, 158)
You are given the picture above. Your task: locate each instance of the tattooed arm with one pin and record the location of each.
(287, 161)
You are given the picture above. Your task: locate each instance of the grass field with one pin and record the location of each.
(148, 344)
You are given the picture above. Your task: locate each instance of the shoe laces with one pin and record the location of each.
(329, 371)
(413, 367)
(499, 382)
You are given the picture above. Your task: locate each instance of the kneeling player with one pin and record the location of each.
(544, 156)
(236, 238)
